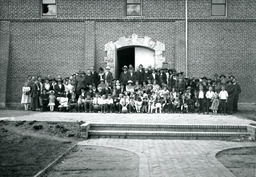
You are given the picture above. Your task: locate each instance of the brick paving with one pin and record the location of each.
(174, 157)
(134, 118)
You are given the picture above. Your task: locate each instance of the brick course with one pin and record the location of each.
(72, 41)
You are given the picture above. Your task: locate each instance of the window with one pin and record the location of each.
(49, 8)
(133, 7)
(219, 7)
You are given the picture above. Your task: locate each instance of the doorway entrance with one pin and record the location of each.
(125, 56)
(134, 56)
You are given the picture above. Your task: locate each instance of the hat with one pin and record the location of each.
(129, 81)
(216, 75)
(222, 75)
(204, 78)
(125, 67)
(59, 80)
(228, 81)
(189, 87)
(51, 91)
(231, 76)
(107, 67)
(80, 72)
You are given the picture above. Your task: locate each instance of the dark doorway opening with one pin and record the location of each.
(125, 56)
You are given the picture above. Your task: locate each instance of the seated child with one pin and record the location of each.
(73, 103)
(102, 104)
(183, 104)
(151, 104)
(88, 103)
(63, 103)
(138, 104)
(117, 106)
(96, 102)
(109, 104)
(124, 103)
(167, 104)
(80, 103)
(176, 105)
(158, 105)
(144, 104)
(131, 105)
(190, 103)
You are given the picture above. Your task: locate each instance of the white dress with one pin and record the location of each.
(25, 99)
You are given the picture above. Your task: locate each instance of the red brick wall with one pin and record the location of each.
(41, 48)
(224, 47)
(4, 59)
(62, 46)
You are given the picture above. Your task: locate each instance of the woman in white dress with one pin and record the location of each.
(26, 98)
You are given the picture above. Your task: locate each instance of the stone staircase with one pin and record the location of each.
(163, 131)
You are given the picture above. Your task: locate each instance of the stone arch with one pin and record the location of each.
(134, 40)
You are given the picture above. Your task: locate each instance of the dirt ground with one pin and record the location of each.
(97, 161)
(240, 161)
(28, 147)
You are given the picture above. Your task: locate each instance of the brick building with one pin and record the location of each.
(200, 37)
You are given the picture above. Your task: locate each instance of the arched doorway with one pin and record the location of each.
(133, 55)
(139, 50)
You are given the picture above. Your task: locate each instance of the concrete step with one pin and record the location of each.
(167, 127)
(166, 135)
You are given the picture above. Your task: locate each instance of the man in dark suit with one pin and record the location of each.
(108, 76)
(140, 74)
(123, 78)
(162, 77)
(59, 88)
(154, 76)
(132, 76)
(88, 78)
(79, 83)
(95, 76)
(35, 93)
(237, 91)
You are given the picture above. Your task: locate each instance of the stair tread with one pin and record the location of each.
(162, 132)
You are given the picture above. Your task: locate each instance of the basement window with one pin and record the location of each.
(133, 7)
(49, 8)
(219, 7)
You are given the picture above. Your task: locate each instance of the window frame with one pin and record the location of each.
(49, 16)
(214, 3)
(126, 4)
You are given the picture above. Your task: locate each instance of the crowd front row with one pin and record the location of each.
(144, 91)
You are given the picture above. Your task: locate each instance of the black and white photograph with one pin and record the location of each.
(127, 88)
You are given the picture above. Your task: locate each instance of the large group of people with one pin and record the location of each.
(146, 90)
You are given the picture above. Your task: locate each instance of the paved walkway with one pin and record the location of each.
(175, 158)
(161, 158)
(134, 118)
